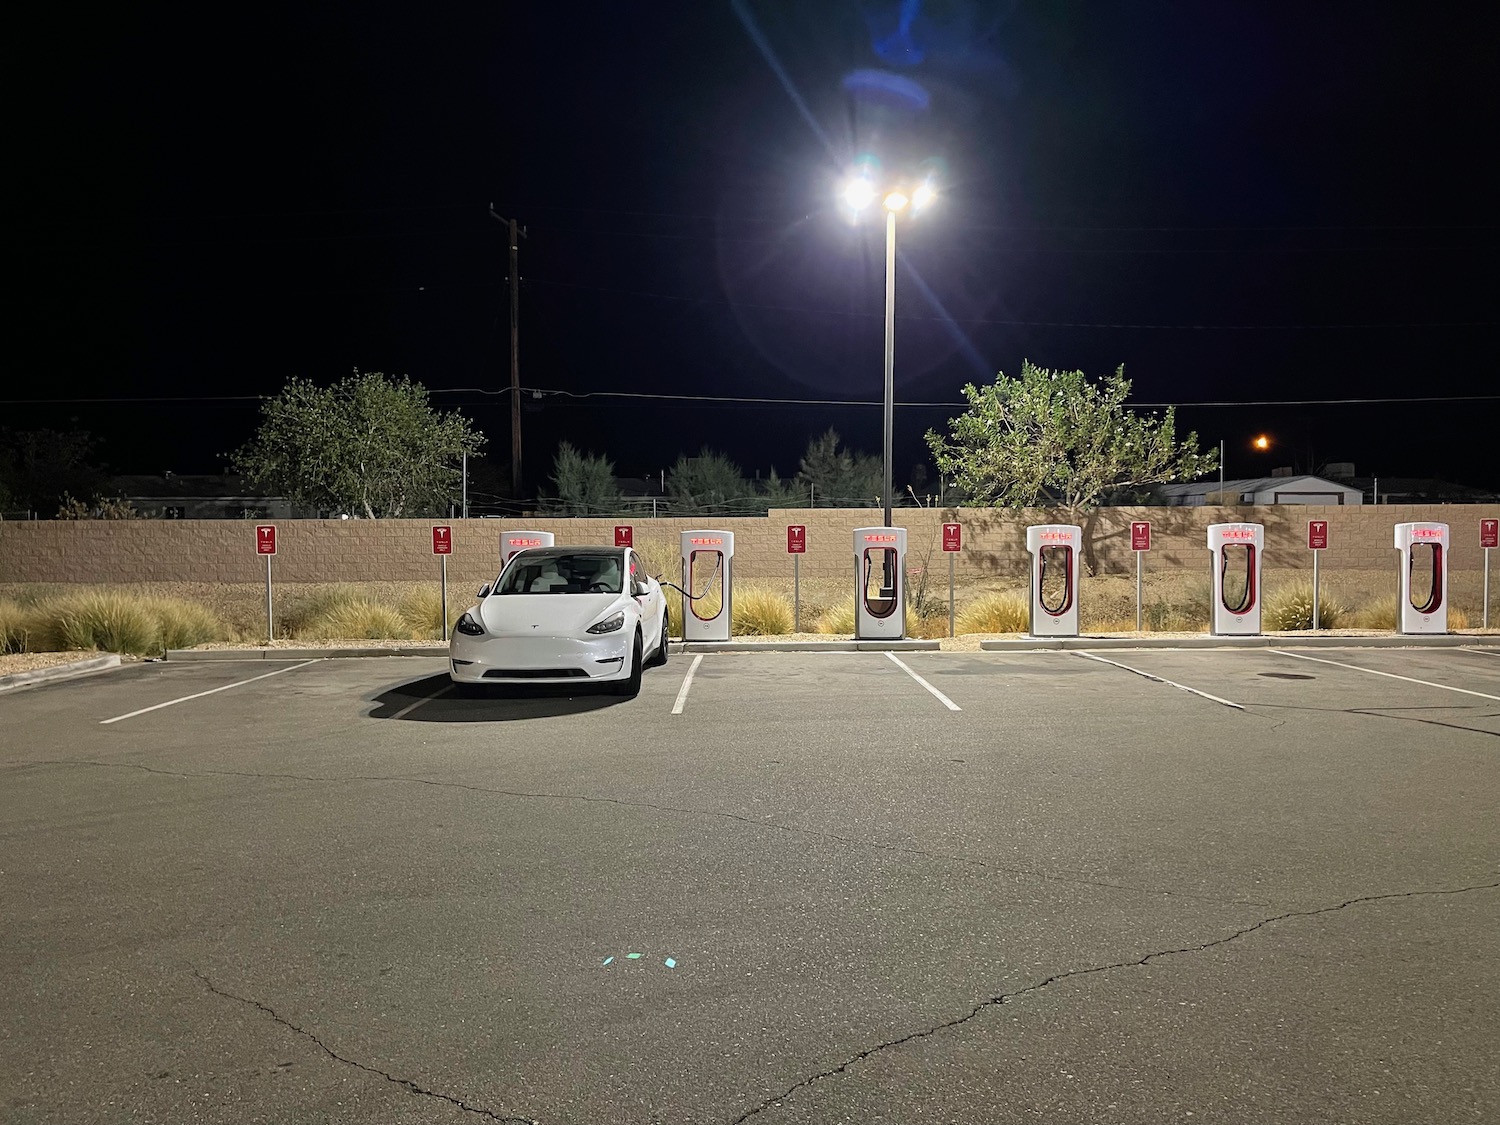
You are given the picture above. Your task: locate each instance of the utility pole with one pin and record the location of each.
(516, 233)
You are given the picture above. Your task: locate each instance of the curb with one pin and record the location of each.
(1279, 640)
(1016, 644)
(808, 646)
(60, 671)
(192, 654)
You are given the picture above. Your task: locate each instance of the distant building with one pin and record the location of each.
(170, 496)
(1410, 490)
(1260, 490)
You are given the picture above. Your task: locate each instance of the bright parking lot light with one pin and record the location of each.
(896, 201)
(923, 196)
(859, 193)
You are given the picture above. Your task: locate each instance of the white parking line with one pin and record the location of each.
(201, 694)
(1481, 651)
(1159, 679)
(687, 682)
(943, 699)
(1387, 675)
(410, 707)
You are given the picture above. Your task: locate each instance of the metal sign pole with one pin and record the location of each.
(796, 593)
(1486, 588)
(950, 593)
(270, 627)
(1138, 613)
(443, 559)
(1316, 619)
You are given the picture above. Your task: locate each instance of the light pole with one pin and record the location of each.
(859, 193)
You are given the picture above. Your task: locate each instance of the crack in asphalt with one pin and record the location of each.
(1007, 997)
(1380, 713)
(405, 1083)
(848, 841)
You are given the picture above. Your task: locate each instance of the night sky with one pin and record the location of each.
(1242, 203)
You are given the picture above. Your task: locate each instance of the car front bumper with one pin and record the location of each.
(540, 660)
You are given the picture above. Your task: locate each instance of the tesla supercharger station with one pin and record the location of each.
(1237, 549)
(1054, 549)
(1424, 577)
(708, 576)
(513, 541)
(879, 583)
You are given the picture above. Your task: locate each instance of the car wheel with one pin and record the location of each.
(659, 657)
(632, 685)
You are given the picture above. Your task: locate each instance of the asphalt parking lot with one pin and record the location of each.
(1138, 886)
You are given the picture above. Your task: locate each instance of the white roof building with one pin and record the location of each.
(1260, 490)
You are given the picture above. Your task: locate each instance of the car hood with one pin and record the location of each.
(534, 615)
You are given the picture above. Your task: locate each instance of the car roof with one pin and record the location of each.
(563, 552)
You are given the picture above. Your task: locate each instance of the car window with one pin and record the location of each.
(584, 573)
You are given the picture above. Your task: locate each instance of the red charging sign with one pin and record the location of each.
(265, 539)
(1140, 536)
(442, 540)
(1489, 533)
(796, 539)
(624, 535)
(1317, 535)
(953, 537)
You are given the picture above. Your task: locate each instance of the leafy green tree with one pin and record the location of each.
(100, 508)
(585, 484)
(1058, 437)
(834, 477)
(707, 483)
(370, 445)
(38, 468)
(781, 492)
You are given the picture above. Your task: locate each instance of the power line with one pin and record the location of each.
(749, 400)
(804, 310)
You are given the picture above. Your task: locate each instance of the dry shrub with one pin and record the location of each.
(661, 558)
(999, 612)
(106, 620)
(930, 627)
(837, 619)
(1380, 614)
(759, 612)
(184, 624)
(1291, 607)
(422, 611)
(357, 619)
(15, 626)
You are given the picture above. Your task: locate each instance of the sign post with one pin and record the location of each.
(1489, 536)
(796, 546)
(953, 541)
(265, 544)
(1140, 543)
(442, 547)
(1317, 542)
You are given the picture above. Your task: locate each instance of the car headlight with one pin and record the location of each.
(469, 627)
(609, 624)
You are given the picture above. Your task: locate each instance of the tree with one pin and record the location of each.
(100, 508)
(839, 478)
(707, 483)
(1057, 437)
(585, 484)
(38, 468)
(369, 445)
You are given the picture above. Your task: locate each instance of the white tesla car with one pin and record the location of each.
(561, 615)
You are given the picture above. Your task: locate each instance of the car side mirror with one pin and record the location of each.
(484, 591)
(639, 589)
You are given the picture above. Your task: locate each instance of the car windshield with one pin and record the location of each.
(574, 572)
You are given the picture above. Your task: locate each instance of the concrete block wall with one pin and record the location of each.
(223, 551)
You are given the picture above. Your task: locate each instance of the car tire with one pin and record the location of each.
(659, 657)
(631, 686)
